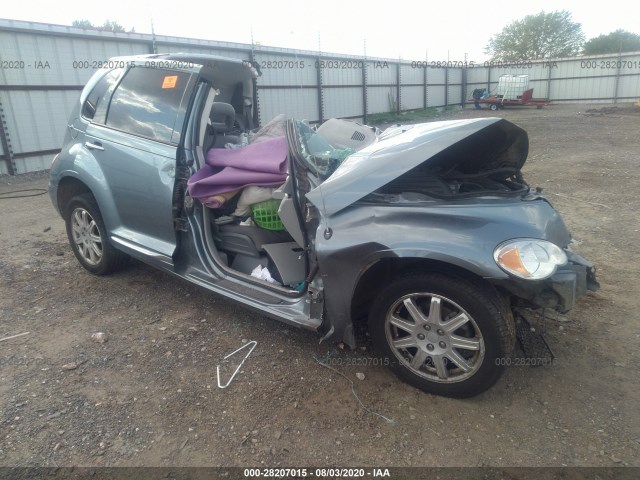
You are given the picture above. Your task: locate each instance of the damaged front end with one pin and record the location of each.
(440, 160)
(531, 304)
(430, 234)
(560, 291)
(447, 197)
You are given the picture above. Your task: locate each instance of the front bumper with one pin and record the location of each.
(559, 292)
(572, 281)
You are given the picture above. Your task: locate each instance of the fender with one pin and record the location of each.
(88, 171)
(463, 235)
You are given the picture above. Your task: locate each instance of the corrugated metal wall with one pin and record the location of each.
(598, 78)
(43, 70)
(45, 66)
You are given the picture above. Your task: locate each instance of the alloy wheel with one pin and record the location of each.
(434, 337)
(86, 236)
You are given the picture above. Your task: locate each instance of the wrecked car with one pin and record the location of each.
(425, 236)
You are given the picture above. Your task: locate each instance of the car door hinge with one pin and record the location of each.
(182, 171)
(181, 224)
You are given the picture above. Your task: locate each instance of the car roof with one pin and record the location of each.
(197, 58)
(225, 71)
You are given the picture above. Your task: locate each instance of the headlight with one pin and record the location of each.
(529, 258)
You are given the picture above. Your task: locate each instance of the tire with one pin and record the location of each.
(88, 237)
(410, 323)
(494, 107)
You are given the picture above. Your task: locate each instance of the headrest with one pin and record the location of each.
(222, 116)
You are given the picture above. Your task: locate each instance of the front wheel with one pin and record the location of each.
(441, 334)
(494, 106)
(88, 237)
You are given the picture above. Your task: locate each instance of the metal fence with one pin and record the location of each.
(43, 68)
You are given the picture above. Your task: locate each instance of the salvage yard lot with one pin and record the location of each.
(149, 395)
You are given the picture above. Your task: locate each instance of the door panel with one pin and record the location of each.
(140, 175)
(136, 142)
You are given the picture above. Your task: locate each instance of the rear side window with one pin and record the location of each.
(95, 106)
(147, 103)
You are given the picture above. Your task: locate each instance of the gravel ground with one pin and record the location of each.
(148, 395)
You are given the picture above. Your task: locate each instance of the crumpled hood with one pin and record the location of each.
(466, 146)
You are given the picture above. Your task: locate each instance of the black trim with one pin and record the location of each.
(37, 153)
(346, 85)
(418, 85)
(276, 87)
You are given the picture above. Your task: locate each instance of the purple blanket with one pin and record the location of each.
(263, 164)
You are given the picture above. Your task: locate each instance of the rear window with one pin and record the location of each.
(148, 103)
(95, 106)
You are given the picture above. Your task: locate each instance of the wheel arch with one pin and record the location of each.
(410, 340)
(73, 183)
(69, 187)
(89, 240)
(373, 279)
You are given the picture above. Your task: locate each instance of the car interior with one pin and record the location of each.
(267, 243)
(242, 243)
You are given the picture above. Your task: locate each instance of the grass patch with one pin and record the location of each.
(406, 116)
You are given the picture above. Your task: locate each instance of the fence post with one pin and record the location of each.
(549, 83)
(6, 143)
(618, 65)
(365, 105)
(446, 86)
(425, 101)
(319, 86)
(463, 94)
(154, 46)
(398, 98)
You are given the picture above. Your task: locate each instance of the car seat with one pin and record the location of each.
(223, 118)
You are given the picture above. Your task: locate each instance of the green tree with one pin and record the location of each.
(112, 26)
(614, 42)
(544, 35)
(82, 24)
(107, 26)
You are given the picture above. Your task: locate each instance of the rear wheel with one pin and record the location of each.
(444, 335)
(494, 107)
(88, 237)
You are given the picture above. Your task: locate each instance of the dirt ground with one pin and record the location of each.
(149, 397)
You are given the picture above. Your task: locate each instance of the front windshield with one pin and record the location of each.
(320, 157)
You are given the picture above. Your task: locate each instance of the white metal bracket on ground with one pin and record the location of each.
(253, 344)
